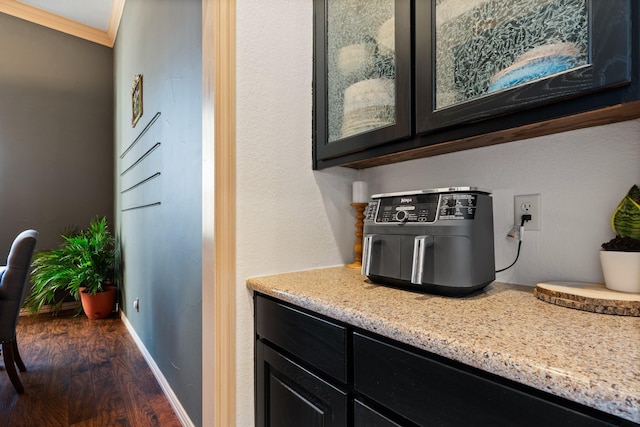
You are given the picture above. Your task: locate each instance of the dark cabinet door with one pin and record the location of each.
(488, 59)
(362, 76)
(287, 395)
(364, 416)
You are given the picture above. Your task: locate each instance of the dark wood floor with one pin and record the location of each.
(82, 372)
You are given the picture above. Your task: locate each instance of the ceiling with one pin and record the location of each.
(93, 20)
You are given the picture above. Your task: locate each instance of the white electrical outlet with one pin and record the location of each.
(529, 204)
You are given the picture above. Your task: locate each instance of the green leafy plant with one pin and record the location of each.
(84, 259)
(625, 222)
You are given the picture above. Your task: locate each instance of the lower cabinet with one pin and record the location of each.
(294, 396)
(315, 371)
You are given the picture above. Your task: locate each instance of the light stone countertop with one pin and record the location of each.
(590, 358)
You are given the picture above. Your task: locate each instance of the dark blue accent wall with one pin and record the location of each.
(158, 187)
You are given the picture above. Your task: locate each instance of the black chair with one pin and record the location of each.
(13, 278)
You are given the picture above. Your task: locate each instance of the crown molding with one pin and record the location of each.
(65, 25)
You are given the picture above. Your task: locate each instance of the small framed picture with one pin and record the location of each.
(136, 100)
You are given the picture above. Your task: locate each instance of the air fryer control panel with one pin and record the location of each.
(422, 208)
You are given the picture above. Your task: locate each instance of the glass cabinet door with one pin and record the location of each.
(362, 80)
(479, 59)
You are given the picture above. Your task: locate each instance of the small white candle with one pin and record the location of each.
(360, 192)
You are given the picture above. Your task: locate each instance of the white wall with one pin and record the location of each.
(580, 175)
(291, 218)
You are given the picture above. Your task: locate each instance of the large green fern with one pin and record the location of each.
(83, 259)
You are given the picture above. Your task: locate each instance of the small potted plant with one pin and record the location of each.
(620, 257)
(81, 266)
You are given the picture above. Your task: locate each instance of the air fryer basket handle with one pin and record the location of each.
(367, 244)
(420, 243)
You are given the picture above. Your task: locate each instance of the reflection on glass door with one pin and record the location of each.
(361, 66)
(485, 46)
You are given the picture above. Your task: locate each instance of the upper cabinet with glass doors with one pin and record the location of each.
(362, 82)
(478, 59)
(484, 72)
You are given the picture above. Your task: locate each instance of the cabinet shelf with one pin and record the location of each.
(603, 116)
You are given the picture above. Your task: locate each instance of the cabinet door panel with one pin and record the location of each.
(496, 57)
(288, 395)
(429, 392)
(288, 408)
(362, 75)
(366, 417)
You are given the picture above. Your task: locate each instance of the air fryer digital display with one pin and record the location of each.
(410, 208)
(421, 208)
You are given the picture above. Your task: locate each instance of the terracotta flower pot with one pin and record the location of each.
(100, 305)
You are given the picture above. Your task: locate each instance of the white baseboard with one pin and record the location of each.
(166, 388)
(71, 305)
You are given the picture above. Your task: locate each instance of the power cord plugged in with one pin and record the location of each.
(517, 233)
(514, 233)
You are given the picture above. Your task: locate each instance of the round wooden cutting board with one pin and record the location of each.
(594, 297)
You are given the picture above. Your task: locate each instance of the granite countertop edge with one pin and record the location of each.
(343, 294)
